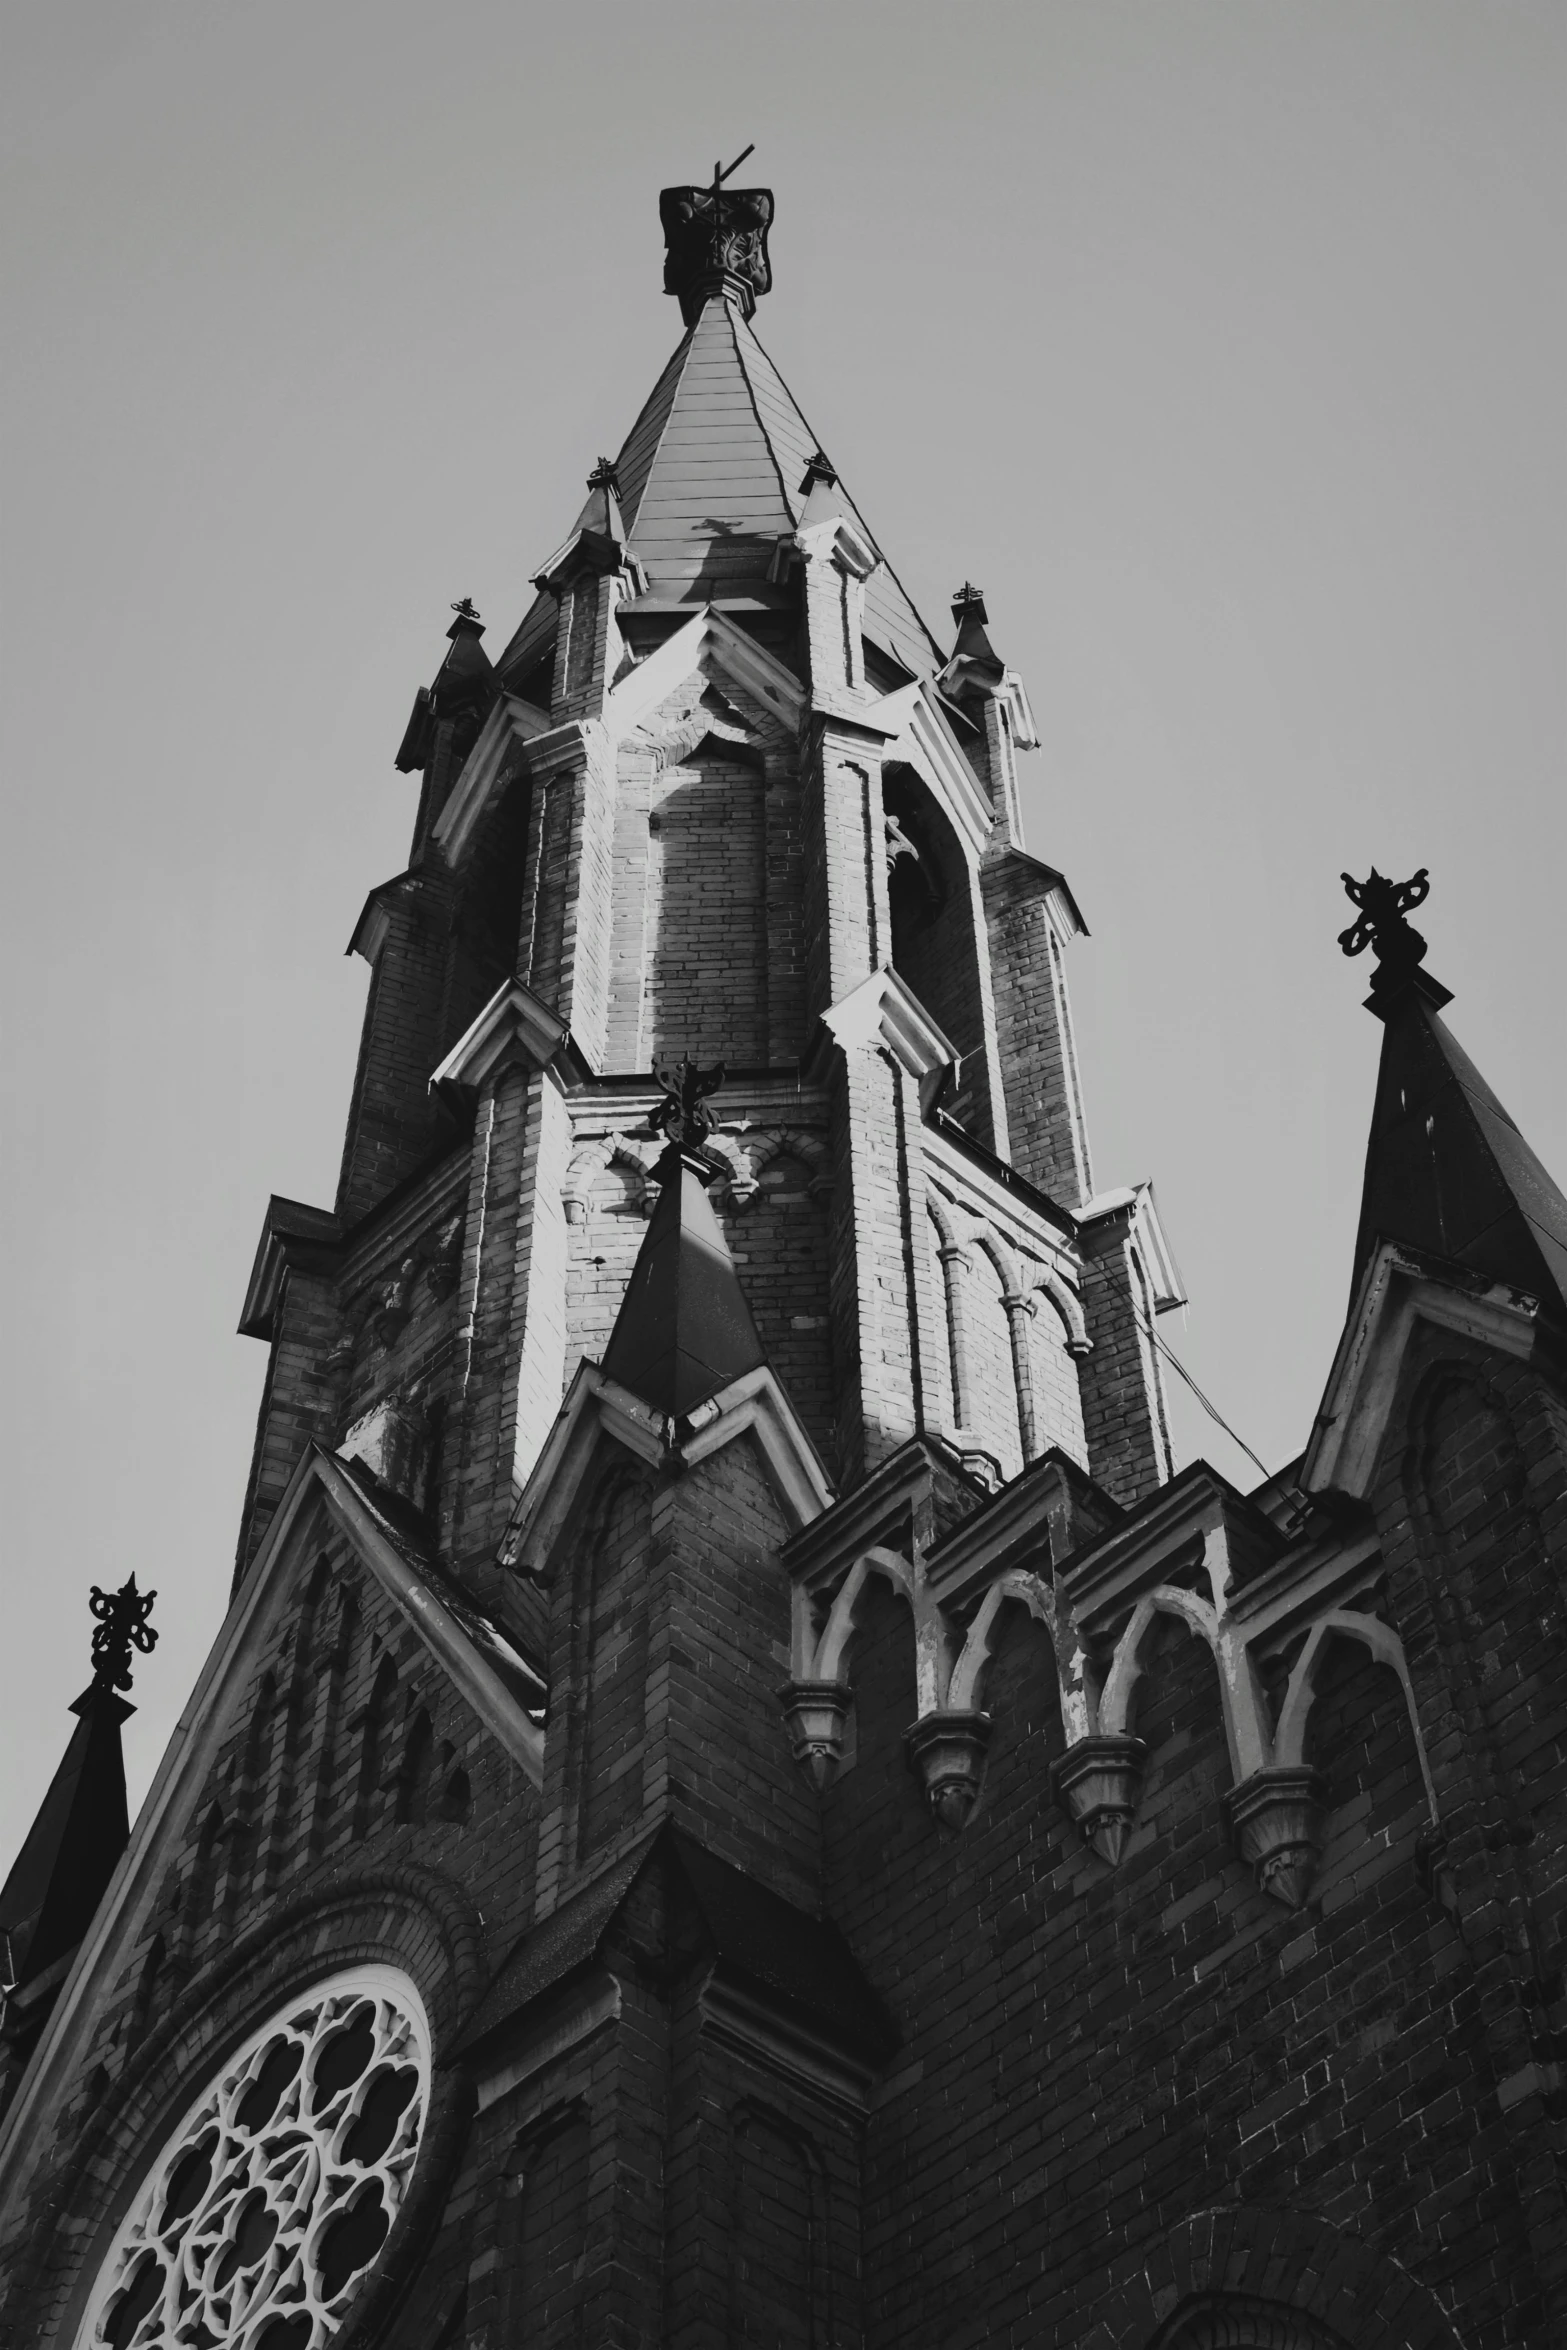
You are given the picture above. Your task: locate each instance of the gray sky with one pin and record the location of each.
(1223, 345)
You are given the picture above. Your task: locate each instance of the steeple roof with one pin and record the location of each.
(711, 477)
(73, 1846)
(684, 1330)
(1447, 1170)
(82, 1827)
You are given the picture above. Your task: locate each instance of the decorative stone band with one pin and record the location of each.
(947, 1752)
(817, 1715)
(1278, 1819)
(1097, 1783)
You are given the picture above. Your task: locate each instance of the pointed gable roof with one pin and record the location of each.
(73, 1847)
(1447, 1171)
(710, 479)
(684, 1330)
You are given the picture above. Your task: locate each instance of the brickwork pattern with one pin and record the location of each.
(349, 1762)
(1045, 1122)
(1088, 2054)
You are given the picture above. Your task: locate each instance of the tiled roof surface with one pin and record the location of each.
(1447, 1170)
(710, 479)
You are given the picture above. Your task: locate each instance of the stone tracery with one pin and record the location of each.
(277, 2190)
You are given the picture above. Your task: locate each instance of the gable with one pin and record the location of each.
(350, 1691)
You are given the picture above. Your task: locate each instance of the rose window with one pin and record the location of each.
(271, 2200)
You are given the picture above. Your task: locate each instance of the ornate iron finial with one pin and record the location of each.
(683, 1115)
(466, 609)
(817, 469)
(605, 476)
(122, 1625)
(716, 242)
(967, 596)
(1380, 922)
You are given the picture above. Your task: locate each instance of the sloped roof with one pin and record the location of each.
(1447, 1171)
(798, 1960)
(710, 478)
(684, 1330)
(74, 1845)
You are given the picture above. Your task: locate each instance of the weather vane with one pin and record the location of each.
(1380, 922)
(122, 1625)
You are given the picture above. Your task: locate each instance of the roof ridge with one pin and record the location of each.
(859, 516)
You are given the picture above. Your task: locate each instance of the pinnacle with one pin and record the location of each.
(684, 1330)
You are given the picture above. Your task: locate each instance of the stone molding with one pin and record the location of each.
(596, 1406)
(884, 1011)
(1399, 1289)
(514, 1020)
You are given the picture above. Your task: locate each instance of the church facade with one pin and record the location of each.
(741, 1798)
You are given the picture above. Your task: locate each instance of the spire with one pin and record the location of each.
(82, 1827)
(1447, 1171)
(684, 1330)
(464, 688)
(973, 663)
(598, 537)
(708, 474)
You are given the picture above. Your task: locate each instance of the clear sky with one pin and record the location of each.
(1222, 345)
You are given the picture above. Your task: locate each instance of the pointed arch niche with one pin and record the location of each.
(936, 938)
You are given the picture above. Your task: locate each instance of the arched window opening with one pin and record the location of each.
(935, 947)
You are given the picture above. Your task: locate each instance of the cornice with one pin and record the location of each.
(292, 1235)
(1400, 1288)
(514, 1020)
(1007, 1199)
(1134, 1206)
(884, 1010)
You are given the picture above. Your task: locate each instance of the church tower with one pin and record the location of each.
(739, 1799)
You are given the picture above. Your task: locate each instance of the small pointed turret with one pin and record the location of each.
(973, 663)
(82, 1827)
(598, 536)
(1447, 1171)
(684, 1330)
(462, 692)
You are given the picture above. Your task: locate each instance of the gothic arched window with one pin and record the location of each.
(268, 2203)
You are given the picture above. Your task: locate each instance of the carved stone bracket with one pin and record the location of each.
(1277, 1817)
(947, 1752)
(817, 1714)
(1097, 1783)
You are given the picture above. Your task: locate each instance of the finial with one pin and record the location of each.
(715, 241)
(122, 1625)
(466, 609)
(970, 599)
(1380, 923)
(683, 1115)
(467, 622)
(605, 476)
(817, 470)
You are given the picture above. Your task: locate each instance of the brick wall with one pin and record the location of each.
(1046, 1126)
(350, 1763)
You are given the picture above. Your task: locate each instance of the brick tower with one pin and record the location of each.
(739, 1800)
